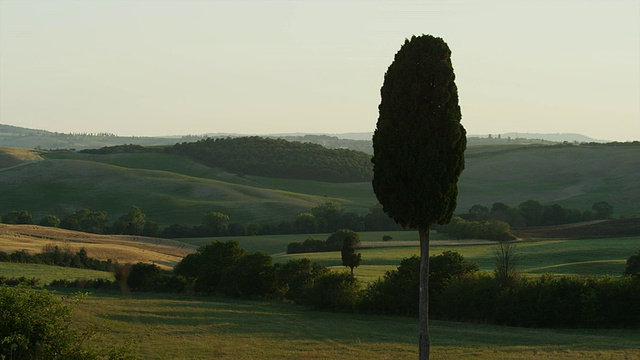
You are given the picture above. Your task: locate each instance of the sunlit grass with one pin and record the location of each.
(180, 327)
(47, 273)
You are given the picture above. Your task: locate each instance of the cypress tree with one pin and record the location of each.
(419, 148)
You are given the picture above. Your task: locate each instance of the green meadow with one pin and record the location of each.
(535, 257)
(47, 273)
(181, 327)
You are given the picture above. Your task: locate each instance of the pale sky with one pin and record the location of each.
(168, 67)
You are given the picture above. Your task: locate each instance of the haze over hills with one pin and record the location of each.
(14, 136)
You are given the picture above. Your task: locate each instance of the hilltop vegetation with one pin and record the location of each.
(279, 158)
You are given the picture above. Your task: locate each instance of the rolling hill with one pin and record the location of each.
(173, 189)
(121, 248)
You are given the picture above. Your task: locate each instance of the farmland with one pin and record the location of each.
(172, 189)
(179, 327)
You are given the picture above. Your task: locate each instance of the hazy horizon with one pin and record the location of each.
(267, 67)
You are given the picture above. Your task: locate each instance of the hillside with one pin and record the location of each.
(279, 158)
(63, 186)
(15, 156)
(120, 248)
(593, 230)
(172, 189)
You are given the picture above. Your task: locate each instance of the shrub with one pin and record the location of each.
(295, 279)
(397, 292)
(37, 325)
(335, 292)
(633, 265)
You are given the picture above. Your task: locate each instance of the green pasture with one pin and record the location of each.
(535, 257)
(573, 176)
(64, 186)
(48, 273)
(181, 327)
(561, 257)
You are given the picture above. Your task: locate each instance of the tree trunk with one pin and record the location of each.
(423, 317)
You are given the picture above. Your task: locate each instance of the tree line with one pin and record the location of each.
(326, 217)
(459, 291)
(533, 213)
(480, 222)
(55, 255)
(279, 158)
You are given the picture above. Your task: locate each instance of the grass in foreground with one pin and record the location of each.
(180, 327)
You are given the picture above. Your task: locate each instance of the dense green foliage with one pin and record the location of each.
(279, 158)
(418, 148)
(460, 228)
(533, 213)
(419, 142)
(224, 268)
(17, 217)
(209, 263)
(633, 265)
(54, 255)
(397, 292)
(351, 258)
(548, 301)
(37, 325)
(335, 242)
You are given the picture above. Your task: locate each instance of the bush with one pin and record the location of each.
(633, 265)
(296, 277)
(335, 292)
(37, 325)
(397, 292)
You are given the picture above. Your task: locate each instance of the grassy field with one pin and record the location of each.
(180, 327)
(563, 257)
(121, 248)
(47, 273)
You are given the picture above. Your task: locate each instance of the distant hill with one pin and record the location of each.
(13, 136)
(279, 158)
(553, 137)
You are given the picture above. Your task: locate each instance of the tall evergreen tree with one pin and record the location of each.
(419, 148)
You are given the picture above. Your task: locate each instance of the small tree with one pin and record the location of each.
(418, 148)
(216, 222)
(131, 223)
(633, 265)
(18, 217)
(602, 209)
(506, 262)
(50, 221)
(336, 240)
(350, 258)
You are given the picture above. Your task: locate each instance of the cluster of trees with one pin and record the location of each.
(533, 213)
(224, 268)
(54, 255)
(326, 217)
(479, 222)
(279, 158)
(334, 242)
(119, 149)
(460, 228)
